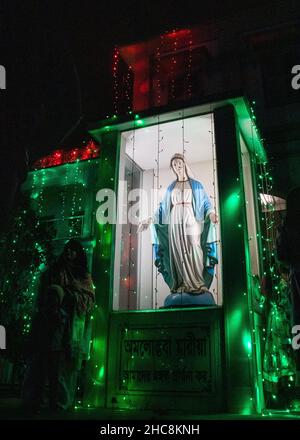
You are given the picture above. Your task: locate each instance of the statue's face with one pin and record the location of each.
(178, 167)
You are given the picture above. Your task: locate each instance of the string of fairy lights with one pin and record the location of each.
(73, 173)
(184, 141)
(128, 88)
(157, 186)
(270, 269)
(189, 64)
(65, 192)
(13, 283)
(132, 251)
(37, 190)
(158, 71)
(281, 364)
(173, 63)
(116, 85)
(215, 185)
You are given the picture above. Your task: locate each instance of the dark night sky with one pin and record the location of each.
(41, 86)
(90, 28)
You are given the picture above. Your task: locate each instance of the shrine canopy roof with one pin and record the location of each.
(245, 117)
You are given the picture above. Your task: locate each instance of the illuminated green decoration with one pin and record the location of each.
(25, 250)
(278, 358)
(278, 362)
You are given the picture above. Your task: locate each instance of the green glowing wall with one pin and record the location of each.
(239, 374)
(103, 276)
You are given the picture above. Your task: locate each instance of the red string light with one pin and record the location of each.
(157, 83)
(128, 84)
(60, 157)
(173, 64)
(116, 59)
(177, 46)
(189, 65)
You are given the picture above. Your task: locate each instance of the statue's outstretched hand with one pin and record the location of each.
(144, 225)
(213, 217)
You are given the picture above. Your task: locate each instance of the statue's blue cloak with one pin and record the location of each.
(160, 234)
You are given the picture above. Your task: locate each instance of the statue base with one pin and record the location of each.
(185, 299)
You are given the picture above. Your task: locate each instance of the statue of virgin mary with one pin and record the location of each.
(183, 236)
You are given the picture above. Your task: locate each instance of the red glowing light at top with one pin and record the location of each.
(61, 157)
(178, 34)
